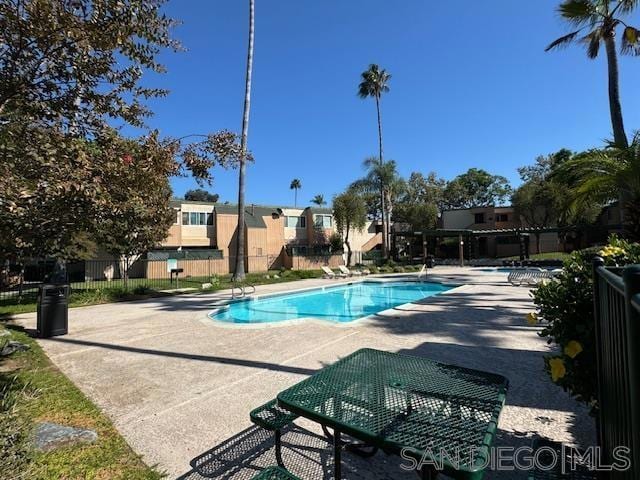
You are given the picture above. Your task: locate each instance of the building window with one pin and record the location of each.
(479, 218)
(296, 222)
(196, 218)
(323, 221)
(502, 217)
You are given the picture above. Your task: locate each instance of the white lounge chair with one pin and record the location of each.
(349, 273)
(529, 276)
(328, 273)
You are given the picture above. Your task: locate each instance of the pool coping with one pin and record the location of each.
(368, 318)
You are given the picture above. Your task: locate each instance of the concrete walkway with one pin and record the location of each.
(179, 387)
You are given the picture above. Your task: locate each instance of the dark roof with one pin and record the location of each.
(326, 211)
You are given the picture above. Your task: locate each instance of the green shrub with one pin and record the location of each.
(398, 269)
(567, 305)
(373, 269)
(142, 290)
(336, 243)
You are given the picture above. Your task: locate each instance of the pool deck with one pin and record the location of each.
(179, 386)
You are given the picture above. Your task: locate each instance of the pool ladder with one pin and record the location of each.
(240, 291)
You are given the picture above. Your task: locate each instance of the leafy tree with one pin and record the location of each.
(476, 188)
(379, 177)
(239, 273)
(65, 69)
(597, 22)
(375, 82)
(296, 185)
(201, 195)
(543, 200)
(75, 62)
(134, 213)
(420, 202)
(349, 213)
(599, 176)
(319, 200)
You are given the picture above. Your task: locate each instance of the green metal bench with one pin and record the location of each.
(273, 418)
(275, 473)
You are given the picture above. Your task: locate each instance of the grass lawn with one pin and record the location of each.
(101, 292)
(32, 389)
(543, 256)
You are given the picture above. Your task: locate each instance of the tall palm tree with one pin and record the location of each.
(319, 200)
(239, 273)
(381, 178)
(597, 22)
(601, 176)
(375, 82)
(296, 185)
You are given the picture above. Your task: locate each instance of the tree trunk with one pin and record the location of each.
(537, 242)
(619, 135)
(239, 272)
(385, 233)
(295, 198)
(615, 107)
(348, 244)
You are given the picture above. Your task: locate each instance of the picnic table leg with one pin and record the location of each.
(428, 473)
(337, 455)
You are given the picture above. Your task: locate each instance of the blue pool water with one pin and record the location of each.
(336, 304)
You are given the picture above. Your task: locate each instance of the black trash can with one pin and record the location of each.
(53, 310)
(430, 261)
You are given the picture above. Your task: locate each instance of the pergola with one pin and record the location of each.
(466, 237)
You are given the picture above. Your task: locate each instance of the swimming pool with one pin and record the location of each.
(344, 303)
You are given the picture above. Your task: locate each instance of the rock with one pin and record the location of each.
(267, 277)
(205, 286)
(276, 276)
(12, 347)
(51, 436)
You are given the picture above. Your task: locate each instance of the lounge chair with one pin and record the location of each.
(345, 271)
(328, 273)
(529, 276)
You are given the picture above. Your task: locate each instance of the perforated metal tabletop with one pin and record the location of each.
(397, 402)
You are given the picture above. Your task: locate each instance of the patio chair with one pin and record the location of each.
(349, 273)
(328, 273)
(275, 473)
(273, 418)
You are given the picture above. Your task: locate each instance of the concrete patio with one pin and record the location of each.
(179, 387)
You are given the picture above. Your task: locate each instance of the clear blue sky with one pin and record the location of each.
(471, 87)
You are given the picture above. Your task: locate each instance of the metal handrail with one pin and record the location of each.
(233, 288)
(612, 278)
(249, 285)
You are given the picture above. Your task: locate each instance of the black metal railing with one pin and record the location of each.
(22, 282)
(617, 327)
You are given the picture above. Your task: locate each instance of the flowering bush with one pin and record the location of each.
(567, 306)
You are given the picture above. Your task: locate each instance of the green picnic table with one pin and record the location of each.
(439, 415)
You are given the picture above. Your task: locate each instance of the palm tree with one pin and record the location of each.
(375, 82)
(606, 175)
(597, 22)
(319, 200)
(381, 178)
(239, 273)
(296, 185)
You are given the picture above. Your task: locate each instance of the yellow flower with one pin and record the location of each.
(572, 349)
(532, 318)
(557, 369)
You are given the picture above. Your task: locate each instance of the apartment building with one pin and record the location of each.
(268, 231)
(495, 219)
